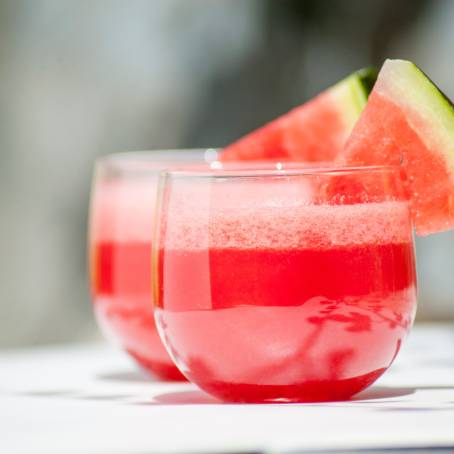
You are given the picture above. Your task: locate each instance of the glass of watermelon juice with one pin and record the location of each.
(121, 218)
(285, 285)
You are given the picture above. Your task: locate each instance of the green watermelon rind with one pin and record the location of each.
(437, 89)
(429, 110)
(352, 93)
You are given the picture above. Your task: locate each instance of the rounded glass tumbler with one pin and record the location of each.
(288, 285)
(121, 225)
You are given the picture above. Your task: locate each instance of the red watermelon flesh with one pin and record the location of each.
(314, 131)
(408, 121)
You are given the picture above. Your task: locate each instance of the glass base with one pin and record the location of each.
(311, 391)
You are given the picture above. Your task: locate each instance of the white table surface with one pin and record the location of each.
(91, 399)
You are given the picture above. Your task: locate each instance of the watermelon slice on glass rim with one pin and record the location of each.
(409, 121)
(314, 131)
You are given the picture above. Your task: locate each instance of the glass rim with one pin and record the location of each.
(279, 170)
(151, 154)
(210, 167)
(145, 162)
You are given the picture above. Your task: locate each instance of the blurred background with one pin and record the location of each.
(81, 79)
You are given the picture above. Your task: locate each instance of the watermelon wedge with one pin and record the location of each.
(314, 131)
(409, 121)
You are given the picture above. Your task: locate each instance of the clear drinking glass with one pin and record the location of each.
(284, 285)
(121, 225)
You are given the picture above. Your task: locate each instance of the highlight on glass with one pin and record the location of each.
(284, 285)
(120, 231)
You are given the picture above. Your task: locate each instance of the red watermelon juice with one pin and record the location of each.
(121, 293)
(285, 303)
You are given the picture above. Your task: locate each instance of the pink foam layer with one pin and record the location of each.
(123, 210)
(258, 215)
(303, 226)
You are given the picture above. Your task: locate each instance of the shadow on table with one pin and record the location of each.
(128, 376)
(196, 397)
(382, 392)
(382, 398)
(378, 398)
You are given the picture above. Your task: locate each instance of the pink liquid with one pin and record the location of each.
(290, 323)
(120, 251)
